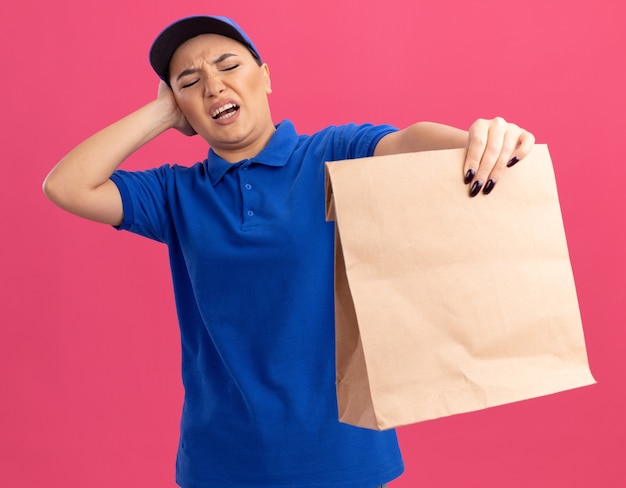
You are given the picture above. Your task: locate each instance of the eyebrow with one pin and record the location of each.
(191, 71)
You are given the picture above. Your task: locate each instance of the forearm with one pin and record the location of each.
(92, 162)
(422, 136)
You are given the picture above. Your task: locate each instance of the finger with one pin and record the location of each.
(507, 154)
(491, 154)
(163, 89)
(476, 143)
(525, 144)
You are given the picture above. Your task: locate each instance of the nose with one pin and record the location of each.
(214, 85)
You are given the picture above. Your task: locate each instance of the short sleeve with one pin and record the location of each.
(353, 141)
(145, 201)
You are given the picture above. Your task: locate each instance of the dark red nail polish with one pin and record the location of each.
(469, 176)
(512, 162)
(476, 188)
(489, 186)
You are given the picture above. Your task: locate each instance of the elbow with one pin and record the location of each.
(99, 205)
(46, 187)
(50, 188)
(57, 191)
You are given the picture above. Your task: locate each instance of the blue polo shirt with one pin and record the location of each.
(252, 265)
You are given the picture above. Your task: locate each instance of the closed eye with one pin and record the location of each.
(230, 68)
(187, 85)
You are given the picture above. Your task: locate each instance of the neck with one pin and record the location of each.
(242, 151)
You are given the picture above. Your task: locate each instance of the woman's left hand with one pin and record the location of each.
(493, 145)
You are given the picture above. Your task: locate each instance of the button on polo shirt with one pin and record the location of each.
(252, 181)
(252, 265)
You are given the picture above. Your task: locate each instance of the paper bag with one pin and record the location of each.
(444, 303)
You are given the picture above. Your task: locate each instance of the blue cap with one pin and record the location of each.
(174, 35)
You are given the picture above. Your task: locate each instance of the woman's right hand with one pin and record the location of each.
(180, 123)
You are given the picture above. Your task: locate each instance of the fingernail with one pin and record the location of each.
(512, 162)
(489, 186)
(469, 176)
(476, 188)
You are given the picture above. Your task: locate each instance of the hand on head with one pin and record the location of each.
(180, 123)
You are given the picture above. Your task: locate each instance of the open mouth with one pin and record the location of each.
(225, 112)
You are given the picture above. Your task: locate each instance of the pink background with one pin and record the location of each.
(89, 353)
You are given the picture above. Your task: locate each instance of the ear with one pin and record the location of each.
(265, 69)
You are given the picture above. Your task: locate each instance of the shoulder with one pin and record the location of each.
(351, 140)
(159, 176)
(353, 130)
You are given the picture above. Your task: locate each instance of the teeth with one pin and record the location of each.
(222, 109)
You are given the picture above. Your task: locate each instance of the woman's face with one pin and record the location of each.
(223, 93)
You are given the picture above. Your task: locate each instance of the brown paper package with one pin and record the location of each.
(448, 304)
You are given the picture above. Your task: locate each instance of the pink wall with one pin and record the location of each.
(89, 355)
